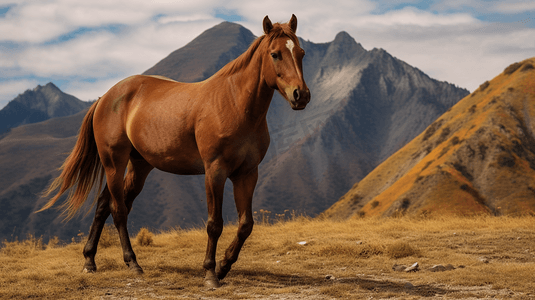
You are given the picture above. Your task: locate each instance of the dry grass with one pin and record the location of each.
(358, 254)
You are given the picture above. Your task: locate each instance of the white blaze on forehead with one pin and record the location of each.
(290, 45)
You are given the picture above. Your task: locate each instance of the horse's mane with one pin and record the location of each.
(243, 60)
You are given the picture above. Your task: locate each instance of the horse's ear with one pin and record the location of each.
(267, 25)
(293, 23)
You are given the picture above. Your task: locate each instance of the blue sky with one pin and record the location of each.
(85, 47)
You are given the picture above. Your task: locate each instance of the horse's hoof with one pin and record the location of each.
(135, 268)
(211, 281)
(89, 269)
(220, 272)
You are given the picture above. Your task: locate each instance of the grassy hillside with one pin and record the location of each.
(477, 158)
(492, 256)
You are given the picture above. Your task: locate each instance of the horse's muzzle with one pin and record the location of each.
(300, 99)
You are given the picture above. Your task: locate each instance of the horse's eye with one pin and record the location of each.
(274, 55)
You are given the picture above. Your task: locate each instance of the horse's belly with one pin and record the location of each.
(181, 164)
(168, 149)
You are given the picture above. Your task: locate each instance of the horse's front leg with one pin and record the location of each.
(244, 185)
(215, 184)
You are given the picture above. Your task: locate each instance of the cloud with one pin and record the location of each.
(86, 90)
(40, 21)
(513, 7)
(184, 18)
(416, 17)
(486, 6)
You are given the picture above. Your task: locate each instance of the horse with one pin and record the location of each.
(215, 127)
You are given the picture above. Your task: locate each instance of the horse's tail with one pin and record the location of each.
(80, 171)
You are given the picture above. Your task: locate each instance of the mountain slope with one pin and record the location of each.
(39, 104)
(479, 157)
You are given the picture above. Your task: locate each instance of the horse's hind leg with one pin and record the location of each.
(101, 214)
(115, 160)
(137, 172)
(244, 186)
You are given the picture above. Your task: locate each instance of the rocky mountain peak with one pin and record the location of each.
(39, 104)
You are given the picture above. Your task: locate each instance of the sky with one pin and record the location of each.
(85, 47)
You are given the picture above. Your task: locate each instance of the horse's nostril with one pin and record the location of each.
(296, 94)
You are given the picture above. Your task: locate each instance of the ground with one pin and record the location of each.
(298, 259)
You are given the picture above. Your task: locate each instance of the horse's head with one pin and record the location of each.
(283, 62)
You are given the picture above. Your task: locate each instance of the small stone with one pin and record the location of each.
(330, 277)
(437, 268)
(302, 243)
(408, 285)
(414, 268)
(441, 268)
(360, 242)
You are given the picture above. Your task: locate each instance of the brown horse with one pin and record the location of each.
(216, 127)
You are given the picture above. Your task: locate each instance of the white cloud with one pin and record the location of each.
(41, 21)
(184, 18)
(414, 16)
(513, 7)
(103, 53)
(486, 6)
(87, 91)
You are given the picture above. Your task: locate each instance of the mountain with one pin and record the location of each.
(39, 104)
(365, 105)
(477, 158)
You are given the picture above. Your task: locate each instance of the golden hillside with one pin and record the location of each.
(477, 158)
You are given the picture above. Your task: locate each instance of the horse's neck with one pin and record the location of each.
(249, 92)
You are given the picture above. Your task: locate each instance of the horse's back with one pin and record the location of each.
(156, 115)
